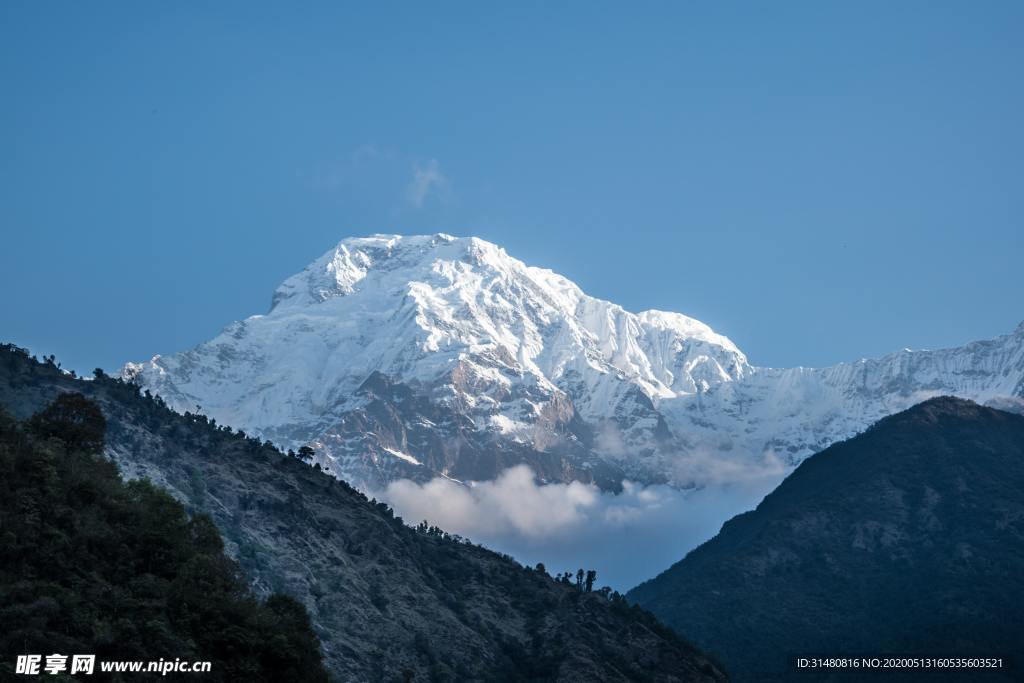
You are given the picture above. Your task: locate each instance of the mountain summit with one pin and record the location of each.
(435, 355)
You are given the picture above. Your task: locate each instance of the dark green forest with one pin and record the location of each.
(90, 564)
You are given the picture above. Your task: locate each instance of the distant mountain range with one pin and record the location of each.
(416, 357)
(907, 539)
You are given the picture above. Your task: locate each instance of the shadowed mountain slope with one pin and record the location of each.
(89, 564)
(908, 538)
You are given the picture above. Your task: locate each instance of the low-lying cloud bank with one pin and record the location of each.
(627, 537)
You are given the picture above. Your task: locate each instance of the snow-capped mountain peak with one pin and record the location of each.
(465, 360)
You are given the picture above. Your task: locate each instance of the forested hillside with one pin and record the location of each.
(91, 565)
(388, 601)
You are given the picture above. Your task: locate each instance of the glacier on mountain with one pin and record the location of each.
(415, 357)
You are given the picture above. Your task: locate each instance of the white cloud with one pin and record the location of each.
(427, 180)
(705, 467)
(512, 503)
(377, 179)
(628, 537)
(609, 439)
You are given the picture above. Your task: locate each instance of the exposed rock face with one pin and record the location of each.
(439, 356)
(907, 539)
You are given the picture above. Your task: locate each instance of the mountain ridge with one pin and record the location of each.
(906, 539)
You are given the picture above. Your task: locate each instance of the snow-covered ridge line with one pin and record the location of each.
(451, 349)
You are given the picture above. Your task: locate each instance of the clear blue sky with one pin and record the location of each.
(819, 181)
